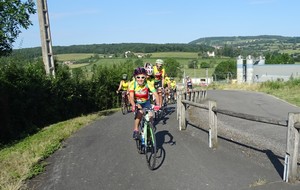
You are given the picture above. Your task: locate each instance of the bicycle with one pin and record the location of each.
(124, 103)
(172, 97)
(146, 142)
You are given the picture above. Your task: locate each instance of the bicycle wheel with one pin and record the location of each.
(150, 151)
(127, 105)
(139, 146)
(123, 104)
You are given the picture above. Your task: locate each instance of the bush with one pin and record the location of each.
(30, 100)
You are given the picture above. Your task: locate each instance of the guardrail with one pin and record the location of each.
(293, 127)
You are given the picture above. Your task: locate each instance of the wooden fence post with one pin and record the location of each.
(193, 96)
(179, 98)
(213, 128)
(204, 94)
(198, 97)
(291, 156)
(182, 119)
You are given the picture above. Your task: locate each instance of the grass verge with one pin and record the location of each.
(24, 159)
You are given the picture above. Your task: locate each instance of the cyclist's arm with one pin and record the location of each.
(131, 98)
(120, 86)
(156, 98)
(131, 94)
(154, 93)
(163, 78)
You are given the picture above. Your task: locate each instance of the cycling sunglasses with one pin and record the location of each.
(140, 77)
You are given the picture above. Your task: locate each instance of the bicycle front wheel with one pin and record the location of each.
(124, 107)
(150, 151)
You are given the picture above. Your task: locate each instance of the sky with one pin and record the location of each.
(83, 22)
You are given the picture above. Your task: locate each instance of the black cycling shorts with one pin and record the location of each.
(158, 84)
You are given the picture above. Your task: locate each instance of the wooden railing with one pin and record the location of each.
(293, 127)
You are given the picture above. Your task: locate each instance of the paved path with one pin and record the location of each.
(260, 135)
(104, 156)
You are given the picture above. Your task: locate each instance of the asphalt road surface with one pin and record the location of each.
(103, 155)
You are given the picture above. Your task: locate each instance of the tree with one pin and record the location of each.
(172, 68)
(14, 15)
(224, 69)
(193, 64)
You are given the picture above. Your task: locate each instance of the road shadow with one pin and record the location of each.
(162, 138)
(167, 111)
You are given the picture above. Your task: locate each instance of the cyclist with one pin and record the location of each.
(159, 75)
(124, 83)
(167, 87)
(189, 85)
(139, 96)
(150, 78)
(173, 87)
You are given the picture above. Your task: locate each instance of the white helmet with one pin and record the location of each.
(147, 64)
(149, 68)
(159, 62)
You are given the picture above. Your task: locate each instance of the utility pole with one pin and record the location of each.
(45, 37)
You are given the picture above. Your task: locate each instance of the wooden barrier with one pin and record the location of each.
(293, 126)
(292, 147)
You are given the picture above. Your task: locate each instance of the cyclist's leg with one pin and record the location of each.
(159, 92)
(175, 94)
(137, 120)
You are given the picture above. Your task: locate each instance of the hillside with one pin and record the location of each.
(250, 44)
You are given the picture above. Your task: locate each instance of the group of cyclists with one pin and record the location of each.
(147, 80)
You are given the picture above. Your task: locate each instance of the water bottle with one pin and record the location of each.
(147, 117)
(142, 138)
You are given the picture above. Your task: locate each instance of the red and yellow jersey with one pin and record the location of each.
(158, 74)
(141, 93)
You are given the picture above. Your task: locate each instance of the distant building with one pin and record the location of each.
(253, 70)
(211, 54)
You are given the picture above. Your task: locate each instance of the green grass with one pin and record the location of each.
(25, 159)
(182, 57)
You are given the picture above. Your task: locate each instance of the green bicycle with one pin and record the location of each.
(146, 143)
(125, 103)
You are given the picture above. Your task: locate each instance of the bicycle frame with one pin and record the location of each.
(149, 146)
(144, 125)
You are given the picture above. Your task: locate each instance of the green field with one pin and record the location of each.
(182, 57)
(72, 56)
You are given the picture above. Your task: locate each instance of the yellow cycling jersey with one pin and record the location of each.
(167, 80)
(173, 84)
(150, 80)
(125, 85)
(158, 74)
(141, 93)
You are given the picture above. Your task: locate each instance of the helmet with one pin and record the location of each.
(171, 78)
(139, 71)
(147, 65)
(149, 68)
(124, 76)
(159, 62)
(187, 77)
